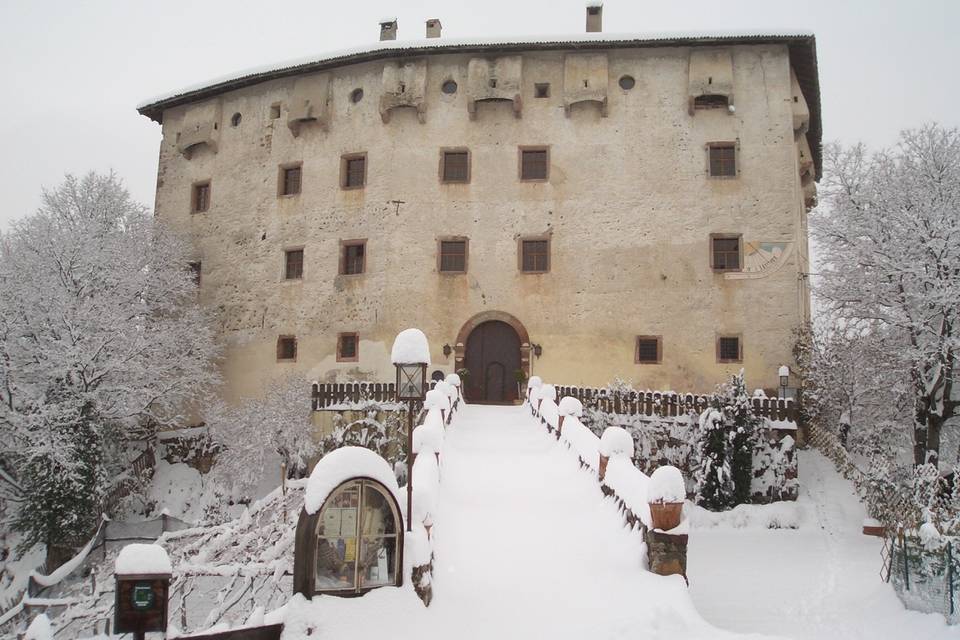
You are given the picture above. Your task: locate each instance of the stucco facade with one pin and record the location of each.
(628, 206)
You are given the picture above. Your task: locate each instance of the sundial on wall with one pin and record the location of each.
(761, 258)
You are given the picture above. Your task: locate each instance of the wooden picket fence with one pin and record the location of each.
(329, 394)
(666, 404)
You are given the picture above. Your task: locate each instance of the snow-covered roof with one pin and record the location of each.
(341, 465)
(142, 559)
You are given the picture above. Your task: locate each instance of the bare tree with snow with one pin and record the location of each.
(257, 430)
(101, 341)
(890, 246)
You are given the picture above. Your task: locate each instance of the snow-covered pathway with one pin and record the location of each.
(821, 580)
(526, 547)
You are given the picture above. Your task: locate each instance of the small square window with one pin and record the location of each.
(534, 164)
(535, 256)
(287, 348)
(541, 90)
(353, 171)
(353, 257)
(711, 101)
(200, 200)
(455, 166)
(729, 349)
(275, 111)
(293, 267)
(453, 256)
(348, 347)
(649, 350)
(196, 268)
(723, 160)
(291, 180)
(725, 252)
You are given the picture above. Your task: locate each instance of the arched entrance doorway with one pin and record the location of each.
(493, 346)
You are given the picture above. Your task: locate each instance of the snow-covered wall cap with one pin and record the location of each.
(142, 559)
(453, 379)
(410, 347)
(548, 392)
(666, 485)
(570, 406)
(341, 465)
(616, 442)
(534, 382)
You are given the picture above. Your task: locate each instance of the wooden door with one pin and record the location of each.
(493, 358)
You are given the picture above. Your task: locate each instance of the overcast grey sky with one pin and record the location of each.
(73, 71)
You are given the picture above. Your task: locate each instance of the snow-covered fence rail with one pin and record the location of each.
(668, 403)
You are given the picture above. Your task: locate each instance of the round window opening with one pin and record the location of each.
(627, 82)
(449, 87)
(235, 119)
(359, 537)
(356, 96)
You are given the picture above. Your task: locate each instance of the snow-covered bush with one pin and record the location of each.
(102, 342)
(255, 430)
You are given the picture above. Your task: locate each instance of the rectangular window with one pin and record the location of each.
(354, 257)
(729, 349)
(290, 180)
(453, 256)
(200, 201)
(286, 348)
(534, 256)
(649, 350)
(196, 269)
(725, 252)
(541, 90)
(455, 166)
(353, 171)
(348, 347)
(275, 111)
(723, 160)
(293, 268)
(534, 163)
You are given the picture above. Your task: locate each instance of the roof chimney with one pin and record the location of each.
(433, 28)
(388, 29)
(594, 16)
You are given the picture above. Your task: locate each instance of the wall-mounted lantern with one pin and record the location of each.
(447, 350)
(784, 374)
(537, 350)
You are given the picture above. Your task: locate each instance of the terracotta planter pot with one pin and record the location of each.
(665, 515)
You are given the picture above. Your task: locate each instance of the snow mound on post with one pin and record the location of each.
(548, 391)
(435, 399)
(341, 465)
(666, 485)
(39, 629)
(453, 380)
(142, 559)
(616, 442)
(570, 406)
(534, 382)
(410, 346)
(447, 390)
(428, 437)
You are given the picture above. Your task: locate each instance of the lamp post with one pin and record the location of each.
(411, 355)
(784, 374)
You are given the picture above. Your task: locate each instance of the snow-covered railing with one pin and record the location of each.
(653, 508)
(669, 403)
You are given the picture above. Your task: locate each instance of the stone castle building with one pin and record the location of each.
(580, 208)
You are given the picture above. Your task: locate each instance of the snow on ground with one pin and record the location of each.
(821, 580)
(526, 546)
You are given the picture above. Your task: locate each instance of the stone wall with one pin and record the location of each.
(628, 208)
